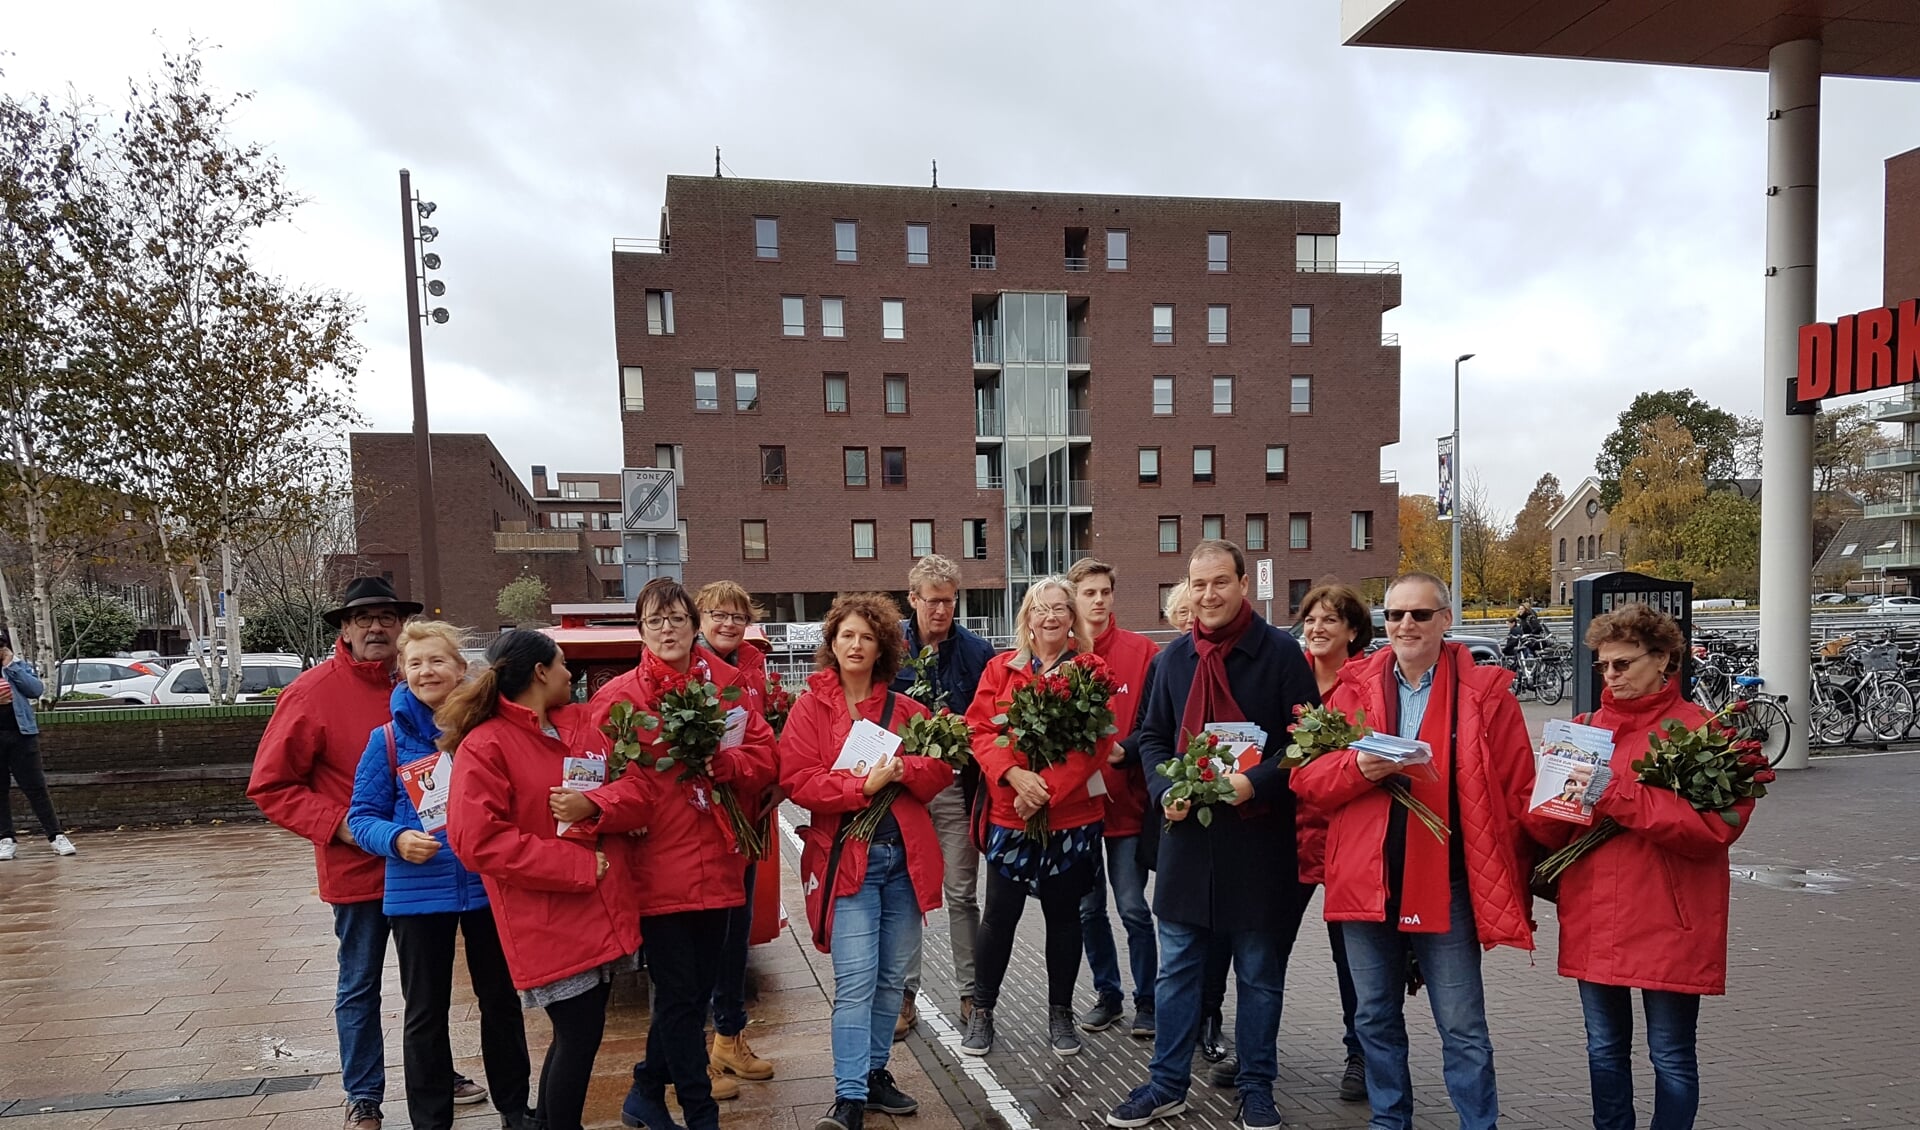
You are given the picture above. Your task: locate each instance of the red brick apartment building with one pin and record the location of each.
(492, 527)
(849, 376)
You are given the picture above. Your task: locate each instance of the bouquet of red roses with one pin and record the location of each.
(779, 703)
(1058, 714)
(1712, 766)
(686, 727)
(1319, 730)
(1199, 777)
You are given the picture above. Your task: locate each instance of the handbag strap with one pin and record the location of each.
(840, 841)
(393, 749)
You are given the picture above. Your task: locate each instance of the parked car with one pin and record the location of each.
(1903, 605)
(1831, 598)
(124, 680)
(186, 683)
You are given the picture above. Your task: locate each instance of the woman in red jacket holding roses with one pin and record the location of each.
(562, 924)
(869, 917)
(1057, 870)
(1647, 909)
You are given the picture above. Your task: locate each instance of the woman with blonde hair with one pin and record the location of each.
(1057, 870)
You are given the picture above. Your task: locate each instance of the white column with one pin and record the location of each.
(1786, 501)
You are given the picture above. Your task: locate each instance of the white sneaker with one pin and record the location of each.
(6, 849)
(63, 846)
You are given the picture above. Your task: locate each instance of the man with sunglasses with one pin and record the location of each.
(1400, 890)
(303, 781)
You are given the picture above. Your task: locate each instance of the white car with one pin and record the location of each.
(123, 680)
(1902, 605)
(185, 684)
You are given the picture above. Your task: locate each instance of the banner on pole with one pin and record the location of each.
(1443, 498)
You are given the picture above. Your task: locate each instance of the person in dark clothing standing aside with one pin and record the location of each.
(20, 753)
(1237, 878)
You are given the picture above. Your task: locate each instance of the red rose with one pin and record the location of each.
(1739, 706)
(1299, 708)
(1213, 741)
(1764, 777)
(1206, 773)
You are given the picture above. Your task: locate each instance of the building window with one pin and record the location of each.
(574, 488)
(1163, 325)
(746, 391)
(753, 539)
(893, 466)
(1363, 529)
(1169, 534)
(833, 317)
(1303, 325)
(1276, 461)
(896, 392)
(836, 390)
(1299, 530)
(766, 237)
(1163, 396)
(773, 466)
(973, 532)
(917, 245)
(706, 390)
(668, 456)
(1213, 526)
(1166, 594)
(893, 319)
(659, 312)
(680, 532)
(1203, 464)
(863, 540)
(922, 531)
(604, 520)
(1315, 253)
(633, 393)
(1223, 396)
(1302, 401)
(1579, 549)
(1116, 250)
(567, 520)
(1563, 551)
(1216, 325)
(1297, 590)
(793, 315)
(615, 589)
(1216, 251)
(1150, 465)
(854, 466)
(1256, 531)
(606, 555)
(846, 241)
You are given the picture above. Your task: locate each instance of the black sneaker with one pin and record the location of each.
(1213, 1045)
(1353, 1081)
(1104, 1014)
(1060, 1034)
(845, 1115)
(1257, 1111)
(1142, 1022)
(979, 1039)
(1225, 1073)
(1142, 1107)
(885, 1097)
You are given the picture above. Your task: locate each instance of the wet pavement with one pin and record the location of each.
(161, 961)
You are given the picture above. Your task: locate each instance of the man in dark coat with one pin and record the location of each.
(1237, 877)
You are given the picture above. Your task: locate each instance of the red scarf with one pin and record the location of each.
(1426, 893)
(656, 672)
(1210, 698)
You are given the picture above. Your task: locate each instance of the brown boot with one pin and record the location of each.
(966, 1011)
(724, 1088)
(909, 1016)
(732, 1055)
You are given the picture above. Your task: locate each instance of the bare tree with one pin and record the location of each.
(1481, 531)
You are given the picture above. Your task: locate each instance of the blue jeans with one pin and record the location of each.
(730, 991)
(1260, 963)
(1129, 878)
(1671, 1021)
(876, 932)
(1450, 962)
(362, 930)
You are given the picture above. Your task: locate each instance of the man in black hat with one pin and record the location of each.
(303, 781)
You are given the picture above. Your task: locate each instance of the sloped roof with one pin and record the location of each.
(1589, 487)
(1861, 536)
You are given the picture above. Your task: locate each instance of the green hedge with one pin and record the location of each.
(92, 715)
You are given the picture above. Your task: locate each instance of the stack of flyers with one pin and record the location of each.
(1571, 771)
(1410, 753)
(1243, 743)
(582, 775)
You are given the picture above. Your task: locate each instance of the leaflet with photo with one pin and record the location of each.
(867, 748)
(1243, 742)
(581, 775)
(1571, 770)
(428, 782)
(736, 731)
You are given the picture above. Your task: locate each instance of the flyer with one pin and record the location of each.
(428, 782)
(736, 731)
(1414, 755)
(1244, 743)
(1571, 771)
(867, 748)
(581, 775)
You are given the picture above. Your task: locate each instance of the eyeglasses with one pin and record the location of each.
(655, 623)
(935, 601)
(727, 617)
(1420, 615)
(385, 618)
(1618, 666)
(1044, 611)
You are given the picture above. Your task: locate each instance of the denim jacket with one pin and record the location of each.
(26, 687)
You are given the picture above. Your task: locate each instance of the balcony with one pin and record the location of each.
(985, 262)
(1898, 459)
(1078, 492)
(1080, 422)
(1895, 410)
(989, 482)
(1389, 341)
(1076, 263)
(1079, 352)
(986, 350)
(1347, 266)
(1908, 558)
(623, 245)
(1907, 509)
(986, 423)
(537, 541)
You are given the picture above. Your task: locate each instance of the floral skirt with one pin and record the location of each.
(1023, 859)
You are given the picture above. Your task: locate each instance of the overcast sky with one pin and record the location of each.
(1590, 230)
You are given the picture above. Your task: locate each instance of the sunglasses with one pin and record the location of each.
(1618, 666)
(1420, 615)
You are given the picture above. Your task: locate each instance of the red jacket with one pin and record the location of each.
(1071, 806)
(684, 861)
(1647, 908)
(1310, 824)
(303, 771)
(751, 663)
(555, 918)
(816, 729)
(1128, 653)
(1495, 775)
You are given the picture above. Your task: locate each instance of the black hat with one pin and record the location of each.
(364, 592)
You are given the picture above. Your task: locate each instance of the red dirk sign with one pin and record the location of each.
(1873, 349)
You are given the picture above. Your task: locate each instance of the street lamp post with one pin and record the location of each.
(413, 242)
(1454, 486)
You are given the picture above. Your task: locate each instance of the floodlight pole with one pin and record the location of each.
(1454, 474)
(429, 594)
